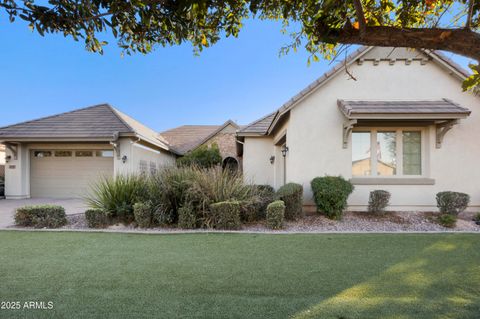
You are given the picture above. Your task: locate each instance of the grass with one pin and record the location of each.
(98, 275)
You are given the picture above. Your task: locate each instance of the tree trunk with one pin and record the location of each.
(461, 41)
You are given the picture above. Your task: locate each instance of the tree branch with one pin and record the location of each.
(362, 23)
(468, 23)
(460, 41)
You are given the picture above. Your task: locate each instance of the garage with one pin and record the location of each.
(67, 173)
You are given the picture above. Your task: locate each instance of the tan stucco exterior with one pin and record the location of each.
(314, 132)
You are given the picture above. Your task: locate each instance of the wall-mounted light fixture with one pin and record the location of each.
(272, 159)
(124, 159)
(284, 150)
(8, 158)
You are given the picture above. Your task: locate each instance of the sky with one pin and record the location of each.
(240, 78)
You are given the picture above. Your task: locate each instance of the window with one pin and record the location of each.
(84, 153)
(104, 153)
(153, 168)
(143, 167)
(41, 154)
(63, 153)
(387, 153)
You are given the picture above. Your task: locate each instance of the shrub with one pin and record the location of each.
(331, 194)
(292, 195)
(187, 218)
(204, 156)
(379, 199)
(476, 219)
(265, 195)
(225, 215)
(275, 214)
(116, 196)
(447, 220)
(96, 218)
(2, 186)
(143, 214)
(41, 216)
(452, 203)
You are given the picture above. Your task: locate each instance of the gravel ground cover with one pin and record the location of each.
(315, 223)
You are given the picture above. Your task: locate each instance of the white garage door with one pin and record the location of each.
(67, 173)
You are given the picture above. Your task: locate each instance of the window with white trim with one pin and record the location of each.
(387, 152)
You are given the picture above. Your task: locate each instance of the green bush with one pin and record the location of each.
(476, 219)
(143, 214)
(331, 194)
(452, 203)
(275, 214)
(225, 215)
(204, 156)
(96, 218)
(187, 219)
(116, 196)
(447, 220)
(379, 199)
(292, 195)
(41, 216)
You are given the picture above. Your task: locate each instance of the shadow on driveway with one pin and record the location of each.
(8, 207)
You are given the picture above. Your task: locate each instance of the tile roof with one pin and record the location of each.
(187, 137)
(259, 126)
(352, 109)
(94, 122)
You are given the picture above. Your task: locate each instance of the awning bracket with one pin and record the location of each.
(14, 149)
(442, 129)
(347, 130)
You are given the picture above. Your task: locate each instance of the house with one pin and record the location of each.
(186, 138)
(393, 119)
(2, 160)
(61, 156)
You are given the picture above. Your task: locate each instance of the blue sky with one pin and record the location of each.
(240, 79)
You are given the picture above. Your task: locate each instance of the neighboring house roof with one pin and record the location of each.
(188, 137)
(273, 118)
(98, 122)
(259, 126)
(432, 109)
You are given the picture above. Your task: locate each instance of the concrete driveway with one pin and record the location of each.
(8, 207)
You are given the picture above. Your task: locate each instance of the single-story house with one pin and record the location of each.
(385, 118)
(186, 138)
(2, 160)
(61, 156)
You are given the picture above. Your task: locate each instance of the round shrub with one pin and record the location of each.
(452, 203)
(143, 214)
(41, 216)
(97, 218)
(379, 199)
(187, 219)
(275, 214)
(225, 215)
(292, 195)
(447, 220)
(331, 194)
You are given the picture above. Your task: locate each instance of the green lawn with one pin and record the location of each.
(95, 275)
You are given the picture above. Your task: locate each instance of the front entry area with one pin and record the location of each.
(67, 173)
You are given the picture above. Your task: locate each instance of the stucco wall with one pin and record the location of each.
(314, 131)
(256, 160)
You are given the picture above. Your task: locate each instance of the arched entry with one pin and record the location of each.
(230, 163)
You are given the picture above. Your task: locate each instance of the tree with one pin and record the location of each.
(203, 156)
(140, 25)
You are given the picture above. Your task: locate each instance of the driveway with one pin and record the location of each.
(8, 207)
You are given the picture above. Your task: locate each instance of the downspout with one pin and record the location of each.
(114, 143)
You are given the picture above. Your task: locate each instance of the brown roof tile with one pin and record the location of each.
(259, 126)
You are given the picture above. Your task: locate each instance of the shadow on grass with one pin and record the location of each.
(442, 281)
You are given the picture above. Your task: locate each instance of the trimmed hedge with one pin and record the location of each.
(187, 219)
(49, 216)
(292, 195)
(225, 215)
(143, 214)
(379, 199)
(97, 218)
(452, 203)
(275, 214)
(331, 194)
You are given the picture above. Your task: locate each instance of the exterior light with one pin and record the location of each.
(272, 159)
(8, 158)
(284, 151)
(124, 159)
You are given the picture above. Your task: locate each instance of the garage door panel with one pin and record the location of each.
(67, 177)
